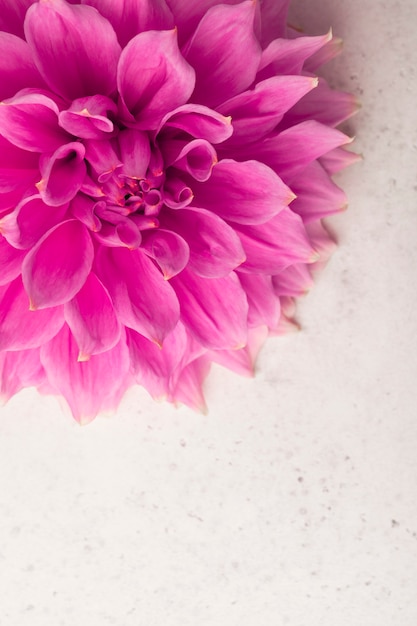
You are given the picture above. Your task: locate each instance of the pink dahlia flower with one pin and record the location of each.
(164, 167)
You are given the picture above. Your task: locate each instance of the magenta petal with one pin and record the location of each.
(263, 303)
(30, 220)
(200, 122)
(30, 122)
(12, 15)
(273, 246)
(103, 158)
(168, 249)
(273, 19)
(58, 266)
(130, 17)
(215, 248)
(20, 328)
(188, 14)
(176, 194)
(88, 118)
(324, 105)
(74, 47)
(19, 171)
(10, 261)
(197, 158)
(188, 389)
(225, 52)
(287, 56)
(317, 195)
(337, 159)
(83, 208)
(18, 370)
(17, 69)
(124, 232)
(62, 173)
(213, 309)
(242, 361)
(91, 318)
(257, 112)
(290, 151)
(294, 281)
(155, 367)
(135, 152)
(246, 193)
(164, 82)
(91, 386)
(143, 300)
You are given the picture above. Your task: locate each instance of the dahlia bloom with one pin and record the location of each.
(164, 168)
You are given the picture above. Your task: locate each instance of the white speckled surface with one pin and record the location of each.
(293, 502)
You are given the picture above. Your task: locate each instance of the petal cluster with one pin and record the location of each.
(164, 169)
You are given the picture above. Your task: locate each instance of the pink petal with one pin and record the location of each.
(317, 195)
(155, 367)
(18, 370)
(18, 172)
(62, 173)
(135, 152)
(83, 208)
(326, 53)
(242, 361)
(143, 300)
(273, 246)
(122, 233)
(213, 309)
(197, 157)
(103, 159)
(74, 47)
(287, 56)
(12, 15)
(338, 159)
(188, 14)
(322, 242)
(10, 261)
(20, 328)
(168, 249)
(225, 53)
(273, 19)
(176, 194)
(257, 112)
(58, 266)
(165, 80)
(324, 105)
(130, 17)
(215, 248)
(30, 220)
(92, 320)
(264, 308)
(200, 122)
(30, 122)
(246, 193)
(290, 151)
(91, 386)
(17, 69)
(188, 389)
(88, 118)
(293, 281)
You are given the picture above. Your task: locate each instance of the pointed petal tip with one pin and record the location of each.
(32, 305)
(82, 358)
(314, 257)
